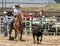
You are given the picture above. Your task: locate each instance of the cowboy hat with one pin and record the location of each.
(4, 12)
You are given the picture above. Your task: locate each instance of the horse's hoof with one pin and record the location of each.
(12, 38)
(9, 38)
(37, 42)
(34, 42)
(40, 40)
(21, 40)
(40, 43)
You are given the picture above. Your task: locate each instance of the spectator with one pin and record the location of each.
(5, 20)
(9, 13)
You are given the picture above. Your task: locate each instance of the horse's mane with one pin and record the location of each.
(20, 15)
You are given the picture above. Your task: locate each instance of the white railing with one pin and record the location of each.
(25, 20)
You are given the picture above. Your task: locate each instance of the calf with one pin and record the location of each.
(37, 32)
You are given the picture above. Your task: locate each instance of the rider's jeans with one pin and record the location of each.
(11, 20)
(5, 30)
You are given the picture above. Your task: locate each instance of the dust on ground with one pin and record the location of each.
(47, 41)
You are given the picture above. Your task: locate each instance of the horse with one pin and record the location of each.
(37, 32)
(17, 26)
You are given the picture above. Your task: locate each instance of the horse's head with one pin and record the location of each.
(21, 17)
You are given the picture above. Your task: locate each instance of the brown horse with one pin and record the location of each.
(18, 26)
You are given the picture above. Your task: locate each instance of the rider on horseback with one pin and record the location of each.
(16, 12)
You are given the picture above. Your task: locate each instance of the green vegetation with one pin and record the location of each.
(57, 1)
(48, 8)
(31, 8)
(52, 8)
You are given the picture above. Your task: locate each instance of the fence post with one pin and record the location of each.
(30, 24)
(56, 30)
(25, 25)
(2, 6)
(0, 24)
(1, 29)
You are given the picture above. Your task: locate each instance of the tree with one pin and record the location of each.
(57, 1)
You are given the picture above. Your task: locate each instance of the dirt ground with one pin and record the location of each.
(47, 41)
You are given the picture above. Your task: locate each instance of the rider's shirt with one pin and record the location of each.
(16, 11)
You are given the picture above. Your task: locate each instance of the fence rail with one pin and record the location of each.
(28, 28)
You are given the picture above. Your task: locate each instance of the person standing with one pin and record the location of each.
(5, 21)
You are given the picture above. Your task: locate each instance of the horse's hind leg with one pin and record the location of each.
(15, 33)
(20, 36)
(10, 31)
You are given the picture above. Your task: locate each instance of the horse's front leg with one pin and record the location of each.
(20, 36)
